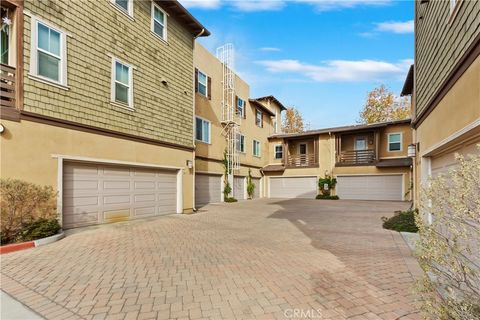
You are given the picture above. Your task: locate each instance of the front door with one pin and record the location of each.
(302, 150)
(360, 144)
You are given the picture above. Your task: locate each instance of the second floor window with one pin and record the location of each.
(48, 56)
(202, 130)
(256, 148)
(122, 83)
(241, 107)
(259, 118)
(395, 142)
(159, 21)
(279, 151)
(240, 143)
(125, 5)
(203, 84)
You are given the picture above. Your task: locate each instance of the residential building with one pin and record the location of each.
(369, 162)
(100, 105)
(254, 121)
(445, 85)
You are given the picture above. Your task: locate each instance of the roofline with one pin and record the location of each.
(358, 127)
(260, 105)
(181, 13)
(282, 107)
(408, 84)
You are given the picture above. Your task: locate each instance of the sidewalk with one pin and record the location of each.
(11, 309)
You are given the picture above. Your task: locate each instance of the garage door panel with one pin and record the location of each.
(370, 187)
(207, 189)
(145, 211)
(293, 187)
(239, 188)
(114, 171)
(442, 164)
(256, 193)
(80, 218)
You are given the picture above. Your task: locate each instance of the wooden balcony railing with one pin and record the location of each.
(301, 160)
(356, 157)
(7, 85)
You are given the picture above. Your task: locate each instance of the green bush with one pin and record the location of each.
(326, 197)
(230, 199)
(40, 228)
(402, 221)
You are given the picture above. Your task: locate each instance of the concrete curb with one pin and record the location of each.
(411, 239)
(31, 244)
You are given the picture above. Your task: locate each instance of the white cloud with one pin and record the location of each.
(396, 26)
(333, 5)
(202, 4)
(341, 70)
(258, 5)
(270, 49)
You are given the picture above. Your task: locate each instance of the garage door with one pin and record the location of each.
(293, 187)
(208, 189)
(239, 188)
(374, 187)
(443, 163)
(95, 194)
(256, 182)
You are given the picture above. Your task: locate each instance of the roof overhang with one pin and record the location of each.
(273, 168)
(389, 163)
(272, 98)
(262, 106)
(408, 84)
(176, 10)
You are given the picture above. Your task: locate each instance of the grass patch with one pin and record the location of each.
(402, 221)
(326, 197)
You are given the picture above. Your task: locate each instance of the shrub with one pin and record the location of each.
(230, 199)
(329, 182)
(449, 241)
(402, 221)
(22, 203)
(250, 185)
(326, 197)
(38, 229)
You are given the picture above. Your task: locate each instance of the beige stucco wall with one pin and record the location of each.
(162, 112)
(27, 148)
(405, 130)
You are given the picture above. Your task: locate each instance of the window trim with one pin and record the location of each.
(275, 151)
(163, 37)
(260, 125)
(401, 141)
(209, 130)
(33, 72)
(244, 144)
(454, 6)
(244, 105)
(206, 83)
(128, 105)
(128, 12)
(259, 148)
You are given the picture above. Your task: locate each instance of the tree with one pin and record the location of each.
(382, 105)
(293, 121)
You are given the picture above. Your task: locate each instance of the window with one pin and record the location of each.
(274, 125)
(202, 130)
(279, 151)
(259, 118)
(240, 143)
(122, 83)
(48, 58)
(241, 107)
(256, 148)
(159, 21)
(202, 83)
(5, 36)
(395, 142)
(125, 6)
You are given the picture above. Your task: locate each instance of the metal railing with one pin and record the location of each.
(301, 160)
(356, 157)
(7, 85)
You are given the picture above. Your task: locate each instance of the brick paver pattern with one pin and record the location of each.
(262, 259)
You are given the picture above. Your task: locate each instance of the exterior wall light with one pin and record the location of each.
(189, 164)
(2, 128)
(412, 150)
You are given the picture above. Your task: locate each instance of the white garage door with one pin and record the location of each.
(94, 193)
(374, 187)
(293, 187)
(208, 189)
(239, 188)
(443, 163)
(256, 182)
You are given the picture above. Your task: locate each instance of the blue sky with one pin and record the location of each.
(320, 56)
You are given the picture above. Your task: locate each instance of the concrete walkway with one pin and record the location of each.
(11, 309)
(263, 259)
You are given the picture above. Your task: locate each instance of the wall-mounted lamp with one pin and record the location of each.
(412, 150)
(189, 164)
(2, 128)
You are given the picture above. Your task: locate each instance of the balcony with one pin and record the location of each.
(301, 160)
(7, 85)
(356, 157)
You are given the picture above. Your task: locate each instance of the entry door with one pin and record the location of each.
(360, 144)
(302, 150)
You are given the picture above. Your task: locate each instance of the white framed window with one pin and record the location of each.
(159, 21)
(202, 130)
(122, 83)
(278, 151)
(259, 118)
(394, 142)
(240, 107)
(125, 6)
(240, 143)
(48, 58)
(256, 148)
(202, 83)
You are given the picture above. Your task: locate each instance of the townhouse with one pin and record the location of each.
(445, 85)
(370, 162)
(100, 106)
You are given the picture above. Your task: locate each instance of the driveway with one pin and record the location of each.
(265, 259)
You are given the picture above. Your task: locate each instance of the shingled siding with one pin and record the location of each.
(96, 32)
(440, 44)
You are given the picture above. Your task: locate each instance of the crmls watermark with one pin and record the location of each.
(302, 313)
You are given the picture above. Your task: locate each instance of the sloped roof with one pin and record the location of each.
(273, 99)
(408, 84)
(184, 16)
